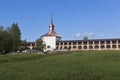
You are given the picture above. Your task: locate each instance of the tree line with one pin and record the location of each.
(10, 38)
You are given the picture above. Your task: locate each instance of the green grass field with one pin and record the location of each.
(78, 65)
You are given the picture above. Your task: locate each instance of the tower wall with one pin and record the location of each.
(50, 42)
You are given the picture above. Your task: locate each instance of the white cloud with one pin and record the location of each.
(91, 34)
(88, 34)
(78, 35)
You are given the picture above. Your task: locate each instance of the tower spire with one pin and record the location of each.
(51, 19)
(51, 26)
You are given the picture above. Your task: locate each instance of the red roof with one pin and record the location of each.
(51, 33)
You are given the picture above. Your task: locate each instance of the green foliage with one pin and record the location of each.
(23, 45)
(16, 36)
(1, 28)
(5, 41)
(10, 38)
(39, 45)
(79, 65)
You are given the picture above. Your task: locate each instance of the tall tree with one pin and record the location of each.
(39, 45)
(16, 36)
(5, 41)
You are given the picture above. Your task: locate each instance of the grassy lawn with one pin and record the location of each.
(77, 65)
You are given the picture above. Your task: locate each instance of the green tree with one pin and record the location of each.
(23, 45)
(1, 27)
(39, 45)
(5, 41)
(16, 36)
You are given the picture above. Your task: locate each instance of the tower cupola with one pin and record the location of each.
(51, 31)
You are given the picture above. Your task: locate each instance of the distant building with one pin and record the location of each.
(31, 45)
(52, 41)
(93, 44)
(28, 45)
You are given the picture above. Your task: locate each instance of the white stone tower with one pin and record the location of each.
(50, 38)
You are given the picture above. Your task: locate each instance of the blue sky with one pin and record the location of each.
(73, 19)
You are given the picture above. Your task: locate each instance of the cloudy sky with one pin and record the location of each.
(73, 19)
